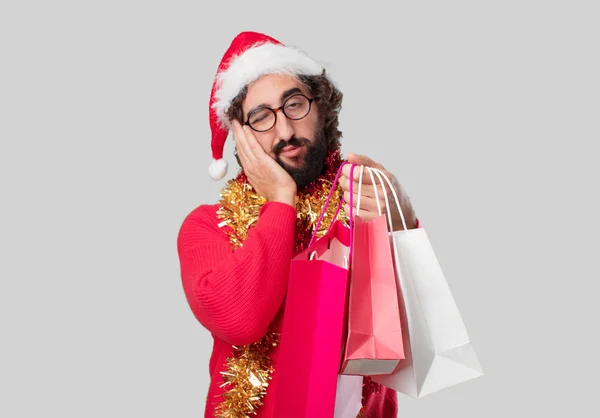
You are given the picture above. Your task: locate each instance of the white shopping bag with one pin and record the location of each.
(348, 397)
(438, 350)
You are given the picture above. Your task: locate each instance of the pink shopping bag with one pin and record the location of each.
(374, 343)
(313, 326)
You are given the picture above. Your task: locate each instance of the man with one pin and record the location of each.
(283, 112)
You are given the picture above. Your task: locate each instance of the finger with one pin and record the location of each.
(255, 148)
(369, 190)
(240, 140)
(345, 184)
(363, 212)
(366, 178)
(365, 190)
(366, 203)
(346, 172)
(363, 160)
(345, 175)
(347, 209)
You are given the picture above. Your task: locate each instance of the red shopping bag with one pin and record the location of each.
(313, 326)
(374, 342)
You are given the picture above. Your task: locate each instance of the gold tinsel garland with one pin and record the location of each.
(249, 371)
(240, 206)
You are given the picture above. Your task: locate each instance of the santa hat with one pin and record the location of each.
(250, 56)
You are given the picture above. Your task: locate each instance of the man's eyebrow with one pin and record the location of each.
(284, 96)
(289, 92)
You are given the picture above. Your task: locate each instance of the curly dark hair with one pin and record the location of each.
(329, 100)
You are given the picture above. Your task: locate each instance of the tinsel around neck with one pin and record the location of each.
(240, 205)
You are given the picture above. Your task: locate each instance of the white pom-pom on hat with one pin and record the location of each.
(218, 169)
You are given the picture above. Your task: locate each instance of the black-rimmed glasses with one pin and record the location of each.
(264, 118)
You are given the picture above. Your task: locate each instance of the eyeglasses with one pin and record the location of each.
(295, 107)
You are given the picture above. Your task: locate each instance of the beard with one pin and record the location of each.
(308, 167)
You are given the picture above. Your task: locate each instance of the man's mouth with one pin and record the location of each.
(291, 151)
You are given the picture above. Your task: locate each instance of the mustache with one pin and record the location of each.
(294, 142)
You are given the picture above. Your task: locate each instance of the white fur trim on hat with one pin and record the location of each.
(218, 169)
(266, 58)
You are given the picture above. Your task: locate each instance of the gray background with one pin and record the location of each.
(487, 112)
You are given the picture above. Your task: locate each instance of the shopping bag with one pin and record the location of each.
(373, 344)
(439, 353)
(348, 398)
(313, 322)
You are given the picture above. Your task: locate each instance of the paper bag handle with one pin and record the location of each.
(333, 186)
(380, 174)
(374, 188)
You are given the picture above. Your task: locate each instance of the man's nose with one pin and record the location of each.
(283, 126)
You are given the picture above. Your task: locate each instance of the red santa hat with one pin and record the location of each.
(250, 56)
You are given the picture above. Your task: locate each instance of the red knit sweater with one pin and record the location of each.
(235, 295)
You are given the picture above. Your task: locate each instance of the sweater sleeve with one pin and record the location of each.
(236, 294)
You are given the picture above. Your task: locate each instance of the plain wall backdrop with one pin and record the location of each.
(486, 111)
